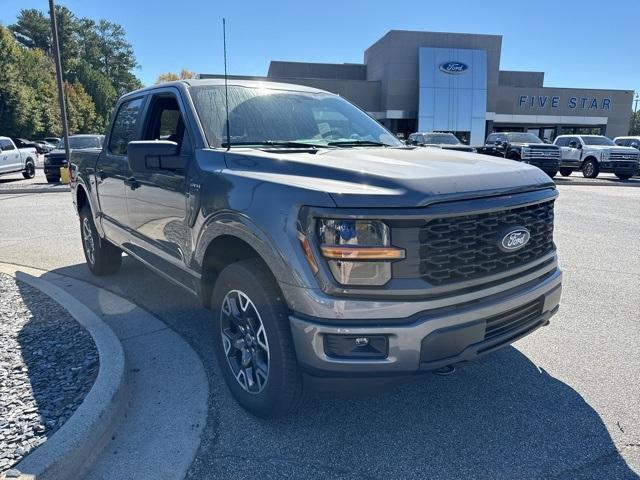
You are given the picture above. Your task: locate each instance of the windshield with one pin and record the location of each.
(259, 116)
(597, 140)
(441, 139)
(79, 143)
(523, 138)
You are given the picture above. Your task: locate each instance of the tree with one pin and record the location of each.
(634, 128)
(81, 111)
(32, 30)
(171, 77)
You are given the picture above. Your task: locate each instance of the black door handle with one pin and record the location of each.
(132, 183)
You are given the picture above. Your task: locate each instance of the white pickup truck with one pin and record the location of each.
(595, 154)
(13, 159)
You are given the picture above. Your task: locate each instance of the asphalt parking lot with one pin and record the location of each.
(561, 403)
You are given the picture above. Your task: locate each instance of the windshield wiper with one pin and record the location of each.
(347, 143)
(274, 143)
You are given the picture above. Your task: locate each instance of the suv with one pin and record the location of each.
(327, 250)
(595, 154)
(523, 147)
(444, 140)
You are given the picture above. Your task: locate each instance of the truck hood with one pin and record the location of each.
(389, 177)
(617, 148)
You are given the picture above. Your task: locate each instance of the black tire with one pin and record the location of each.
(29, 169)
(551, 173)
(624, 176)
(565, 172)
(52, 179)
(281, 391)
(105, 258)
(590, 168)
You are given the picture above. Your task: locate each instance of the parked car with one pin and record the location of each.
(523, 147)
(24, 143)
(326, 249)
(628, 142)
(57, 157)
(48, 145)
(444, 140)
(594, 154)
(14, 159)
(53, 140)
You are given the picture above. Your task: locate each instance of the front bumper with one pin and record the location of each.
(621, 167)
(433, 338)
(546, 164)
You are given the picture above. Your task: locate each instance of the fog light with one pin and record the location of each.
(354, 347)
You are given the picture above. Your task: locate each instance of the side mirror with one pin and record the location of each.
(144, 155)
(500, 143)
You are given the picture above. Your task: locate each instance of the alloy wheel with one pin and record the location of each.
(245, 343)
(89, 244)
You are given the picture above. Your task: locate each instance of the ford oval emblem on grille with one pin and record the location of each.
(453, 68)
(514, 239)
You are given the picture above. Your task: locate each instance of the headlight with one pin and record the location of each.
(358, 252)
(605, 155)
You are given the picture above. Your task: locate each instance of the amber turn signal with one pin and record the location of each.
(354, 253)
(308, 252)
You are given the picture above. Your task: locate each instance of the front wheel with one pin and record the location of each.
(551, 173)
(253, 341)
(103, 257)
(590, 168)
(565, 172)
(29, 169)
(624, 176)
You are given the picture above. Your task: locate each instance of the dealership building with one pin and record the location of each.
(452, 82)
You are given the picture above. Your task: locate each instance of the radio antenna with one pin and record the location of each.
(226, 87)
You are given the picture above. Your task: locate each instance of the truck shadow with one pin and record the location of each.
(502, 417)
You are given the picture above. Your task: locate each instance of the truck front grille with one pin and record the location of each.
(535, 152)
(617, 155)
(455, 249)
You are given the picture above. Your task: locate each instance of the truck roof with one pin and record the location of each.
(232, 82)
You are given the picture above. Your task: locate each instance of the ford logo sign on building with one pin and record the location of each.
(454, 68)
(514, 239)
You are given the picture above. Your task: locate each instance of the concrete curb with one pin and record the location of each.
(20, 191)
(598, 183)
(70, 451)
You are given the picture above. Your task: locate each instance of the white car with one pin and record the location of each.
(628, 142)
(13, 159)
(595, 154)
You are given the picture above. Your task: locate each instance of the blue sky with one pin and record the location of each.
(577, 43)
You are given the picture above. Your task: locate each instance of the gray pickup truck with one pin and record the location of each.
(327, 250)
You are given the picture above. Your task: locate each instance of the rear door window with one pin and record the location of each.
(124, 126)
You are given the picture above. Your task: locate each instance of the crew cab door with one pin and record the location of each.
(112, 170)
(157, 192)
(10, 160)
(572, 153)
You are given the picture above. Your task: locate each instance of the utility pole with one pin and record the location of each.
(56, 58)
(637, 99)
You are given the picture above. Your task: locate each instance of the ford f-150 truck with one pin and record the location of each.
(594, 154)
(327, 250)
(14, 159)
(523, 147)
(57, 157)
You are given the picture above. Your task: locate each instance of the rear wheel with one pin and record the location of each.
(253, 341)
(29, 169)
(590, 168)
(103, 258)
(565, 172)
(624, 176)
